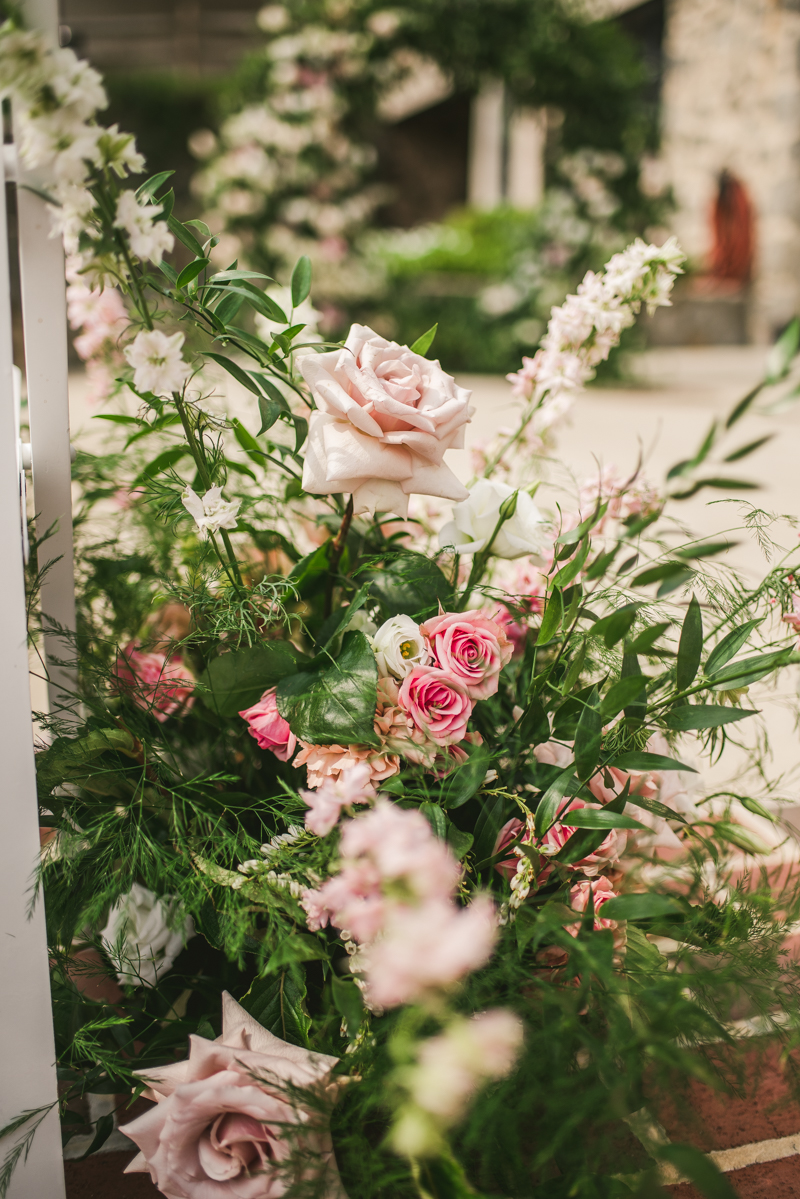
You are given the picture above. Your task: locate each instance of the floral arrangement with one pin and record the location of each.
(399, 834)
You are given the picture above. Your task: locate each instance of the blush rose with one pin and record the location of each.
(384, 419)
(269, 728)
(438, 704)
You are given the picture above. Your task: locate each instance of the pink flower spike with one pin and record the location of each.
(352, 786)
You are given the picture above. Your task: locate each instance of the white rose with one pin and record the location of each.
(476, 519)
(384, 418)
(143, 936)
(399, 647)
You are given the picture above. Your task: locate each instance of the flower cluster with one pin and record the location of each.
(102, 318)
(587, 326)
(430, 677)
(393, 897)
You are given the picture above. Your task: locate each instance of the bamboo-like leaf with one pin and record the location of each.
(704, 716)
(690, 647)
(301, 280)
(551, 620)
(730, 645)
(588, 737)
(424, 343)
(190, 272)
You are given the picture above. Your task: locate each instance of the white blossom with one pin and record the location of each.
(149, 238)
(158, 365)
(399, 647)
(210, 512)
(144, 934)
(475, 520)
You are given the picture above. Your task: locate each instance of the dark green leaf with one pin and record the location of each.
(690, 647)
(185, 236)
(534, 726)
(201, 227)
(551, 801)
(488, 825)
(682, 468)
(655, 574)
(704, 716)
(641, 906)
(672, 582)
(749, 448)
(297, 947)
(637, 708)
(151, 185)
(645, 640)
(230, 275)
(599, 819)
(588, 737)
(105, 1125)
(742, 406)
(424, 343)
(573, 536)
(601, 564)
(551, 620)
(435, 817)
(620, 694)
(573, 567)
(462, 783)
(301, 280)
(278, 1004)
(191, 272)
(300, 432)
(614, 627)
(730, 645)
(228, 307)
(308, 575)
(248, 442)
(162, 462)
(740, 674)
(270, 411)
(658, 809)
(234, 369)
(459, 841)
(235, 681)
(347, 996)
(707, 550)
(641, 760)
(410, 583)
(334, 703)
(698, 1168)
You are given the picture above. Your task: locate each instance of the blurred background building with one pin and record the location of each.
(507, 183)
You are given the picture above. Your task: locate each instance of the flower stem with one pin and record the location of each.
(335, 555)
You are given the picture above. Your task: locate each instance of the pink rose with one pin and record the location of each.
(553, 753)
(601, 891)
(508, 833)
(438, 704)
(217, 1128)
(330, 761)
(470, 647)
(269, 728)
(609, 782)
(384, 418)
(157, 683)
(556, 837)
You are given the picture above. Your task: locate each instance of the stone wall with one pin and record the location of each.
(731, 99)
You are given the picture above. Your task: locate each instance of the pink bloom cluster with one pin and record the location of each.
(102, 318)
(325, 804)
(158, 683)
(423, 706)
(393, 895)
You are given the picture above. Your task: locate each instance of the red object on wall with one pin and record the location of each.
(734, 235)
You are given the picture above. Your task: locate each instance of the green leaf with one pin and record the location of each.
(334, 703)
(424, 343)
(297, 947)
(706, 550)
(641, 906)
(783, 352)
(236, 371)
(749, 448)
(573, 536)
(228, 307)
(462, 783)
(550, 802)
(300, 432)
(620, 694)
(301, 280)
(185, 236)
(683, 468)
(459, 841)
(488, 825)
(592, 818)
(308, 575)
(162, 462)
(248, 442)
(235, 681)
(191, 272)
(655, 574)
(641, 760)
(672, 582)
(573, 567)
(614, 627)
(739, 409)
(229, 276)
(645, 640)
(698, 1168)
(601, 564)
(690, 647)
(151, 185)
(704, 716)
(105, 1124)
(749, 670)
(435, 817)
(167, 203)
(637, 708)
(588, 737)
(551, 620)
(730, 645)
(534, 725)
(278, 1004)
(201, 227)
(410, 583)
(658, 809)
(346, 995)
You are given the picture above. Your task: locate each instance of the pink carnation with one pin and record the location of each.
(469, 647)
(601, 891)
(330, 761)
(269, 728)
(158, 683)
(426, 947)
(438, 704)
(350, 787)
(556, 837)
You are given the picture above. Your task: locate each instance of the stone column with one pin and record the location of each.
(486, 147)
(527, 133)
